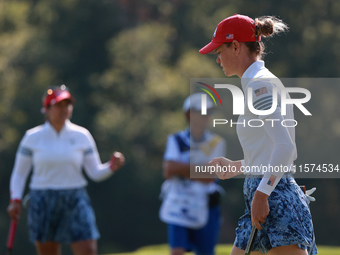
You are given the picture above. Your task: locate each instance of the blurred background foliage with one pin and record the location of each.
(129, 63)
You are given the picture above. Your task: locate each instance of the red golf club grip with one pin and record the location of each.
(113, 160)
(11, 234)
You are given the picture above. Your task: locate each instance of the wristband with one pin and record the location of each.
(18, 201)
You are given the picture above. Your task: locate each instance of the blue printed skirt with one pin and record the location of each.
(289, 221)
(63, 216)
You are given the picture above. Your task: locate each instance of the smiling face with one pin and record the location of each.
(58, 113)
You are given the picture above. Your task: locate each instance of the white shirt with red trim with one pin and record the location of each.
(57, 159)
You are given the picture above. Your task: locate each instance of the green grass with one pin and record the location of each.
(220, 250)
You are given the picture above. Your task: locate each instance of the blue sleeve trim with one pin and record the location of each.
(88, 151)
(265, 106)
(262, 100)
(25, 151)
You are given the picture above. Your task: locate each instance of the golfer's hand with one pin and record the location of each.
(117, 161)
(259, 209)
(14, 210)
(225, 168)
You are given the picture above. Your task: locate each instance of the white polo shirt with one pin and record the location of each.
(270, 144)
(57, 159)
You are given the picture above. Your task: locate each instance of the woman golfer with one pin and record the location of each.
(274, 202)
(59, 210)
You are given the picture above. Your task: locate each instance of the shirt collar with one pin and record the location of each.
(251, 71)
(66, 126)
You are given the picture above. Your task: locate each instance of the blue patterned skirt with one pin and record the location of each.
(63, 216)
(289, 221)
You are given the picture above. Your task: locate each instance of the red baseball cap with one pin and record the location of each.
(237, 27)
(56, 95)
